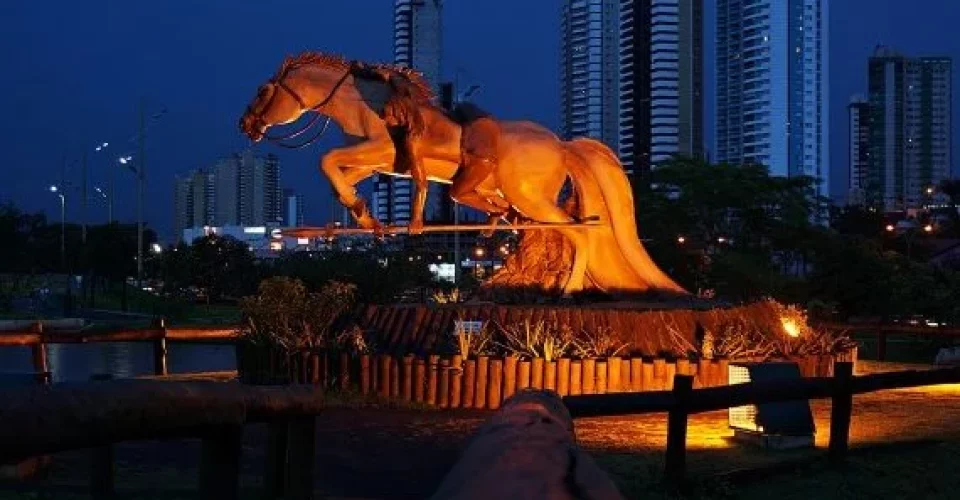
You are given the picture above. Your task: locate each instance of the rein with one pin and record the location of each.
(278, 83)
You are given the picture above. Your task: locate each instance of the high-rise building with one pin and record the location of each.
(417, 30)
(259, 190)
(859, 154)
(589, 80)
(910, 128)
(240, 190)
(182, 205)
(661, 81)
(226, 189)
(772, 86)
(292, 208)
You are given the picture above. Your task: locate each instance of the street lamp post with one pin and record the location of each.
(63, 223)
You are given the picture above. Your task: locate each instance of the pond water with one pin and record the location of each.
(78, 362)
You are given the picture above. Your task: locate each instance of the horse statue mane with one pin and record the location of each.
(419, 88)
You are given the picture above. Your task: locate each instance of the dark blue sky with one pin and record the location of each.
(74, 71)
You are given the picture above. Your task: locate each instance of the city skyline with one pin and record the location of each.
(106, 75)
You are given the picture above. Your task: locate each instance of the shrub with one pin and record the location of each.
(548, 340)
(467, 343)
(284, 315)
(600, 342)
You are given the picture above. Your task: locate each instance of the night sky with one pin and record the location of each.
(73, 73)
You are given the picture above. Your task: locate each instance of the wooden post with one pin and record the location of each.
(613, 374)
(563, 376)
(408, 377)
(456, 380)
(723, 378)
(394, 377)
(220, 462)
(102, 466)
(316, 378)
(302, 452)
(675, 462)
(840, 410)
(523, 375)
(365, 374)
(576, 375)
(636, 374)
(649, 382)
(443, 397)
(160, 349)
(589, 378)
(659, 374)
(670, 371)
(601, 386)
(480, 393)
(704, 373)
(625, 375)
(419, 380)
(433, 366)
(683, 367)
(39, 352)
(550, 375)
(493, 387)
(536, 373)
(383, 386)
(469, 382)
(275, 466)
(509, 376)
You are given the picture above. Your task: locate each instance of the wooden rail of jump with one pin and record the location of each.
(683, 401)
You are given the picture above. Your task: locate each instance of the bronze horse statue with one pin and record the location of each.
(533, 163)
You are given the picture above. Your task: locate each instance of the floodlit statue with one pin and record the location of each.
(513, 169)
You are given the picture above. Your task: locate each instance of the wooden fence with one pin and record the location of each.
(159, 334)
(683, 400)
(882, 332)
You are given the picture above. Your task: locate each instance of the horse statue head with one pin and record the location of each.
(284, 98)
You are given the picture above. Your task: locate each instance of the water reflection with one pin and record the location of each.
(78, 362)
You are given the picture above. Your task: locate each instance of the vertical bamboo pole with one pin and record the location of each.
(613, 374)
(480, 393)
(536, 373)
(589, 377)
(550, 375)
(408, 377)
(365, 374)
(456, 380)
(443, 396)
(419, 380)
(469, 382)
(493, 387)
(523, 375)
(576, 376)
(432, 379)
(509, 376)
(601, 385)
(563, 376)
(636, 374)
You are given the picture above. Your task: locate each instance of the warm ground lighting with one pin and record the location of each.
(790, 327)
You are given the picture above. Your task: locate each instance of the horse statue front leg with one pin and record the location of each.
(368, 155)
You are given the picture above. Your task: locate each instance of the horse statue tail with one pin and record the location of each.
(618, 260)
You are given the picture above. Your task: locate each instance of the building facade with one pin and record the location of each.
(772, 86)
(589, 63)
(417, 43)
(661, 81)
(239, 190)
(292, 208)
(858, 113)
(911, 128)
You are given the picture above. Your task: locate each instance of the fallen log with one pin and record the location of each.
(527, 450)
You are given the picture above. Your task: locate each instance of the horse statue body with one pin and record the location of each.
(532, 168)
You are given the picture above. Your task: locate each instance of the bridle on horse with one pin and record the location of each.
(278, 83)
